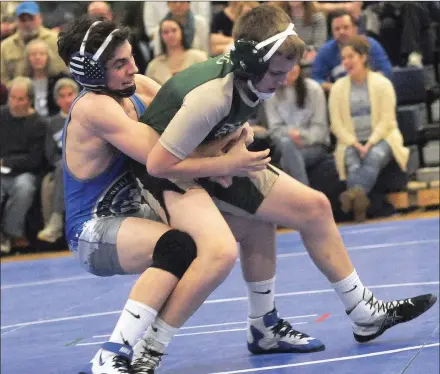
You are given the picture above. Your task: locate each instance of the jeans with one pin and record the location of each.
(20, 191)
(364, 172)
(295, 160)
(58, 193)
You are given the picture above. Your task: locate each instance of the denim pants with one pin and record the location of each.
(58, 193)
(295, 160)
(364, 172)
(19, 191)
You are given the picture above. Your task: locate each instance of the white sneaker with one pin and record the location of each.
(53, 230)
(118, 363)
(5, 244)
(372, 317)
(415, 59)
(145, 360)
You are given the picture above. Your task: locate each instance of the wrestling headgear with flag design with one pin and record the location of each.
(86, 68)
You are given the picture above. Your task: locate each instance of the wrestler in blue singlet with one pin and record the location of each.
(114, 192)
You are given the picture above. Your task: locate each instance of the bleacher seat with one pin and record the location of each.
(409, 83)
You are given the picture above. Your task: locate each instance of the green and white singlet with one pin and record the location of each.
(201, 104)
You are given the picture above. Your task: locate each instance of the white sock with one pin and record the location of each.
(158, 336)
(134, 320)
(351, 291)
(261, 297)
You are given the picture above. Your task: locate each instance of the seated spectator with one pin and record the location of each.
(3, 94)
(21, 159)
(177, 54)
(12, 49)
(195, 27)
(157, 10)
(223, 22)
(101, 10)
(363, 118)
(310, 25)
(403, 28)
(297, 120)
(58, 14)
(40, 68)
(7, 18)
(354, 8)
(52, 191)
(327, 66)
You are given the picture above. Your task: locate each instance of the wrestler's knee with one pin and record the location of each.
(318, 208)
(174, 252)
(219, 253)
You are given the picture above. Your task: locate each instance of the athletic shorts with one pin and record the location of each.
(97, 252)
(242, 198)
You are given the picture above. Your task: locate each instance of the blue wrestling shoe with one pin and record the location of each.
(272, 334)
(118, 363)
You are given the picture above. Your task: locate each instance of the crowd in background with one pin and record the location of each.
(338, 105)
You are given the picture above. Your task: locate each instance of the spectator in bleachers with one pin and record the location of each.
(58, 14)
(21, 160)
(195, 27)
(3, 94)
(297, 120)
(404, 30)
(40, 68)
(221, 28)
(156, 10)
(177, 56)
(310, 25)
(101, 10)
(363, 118)
(354, 8)
(29, 27)
(52, 191)
(7, 18)
(223, 22)
(327, 66)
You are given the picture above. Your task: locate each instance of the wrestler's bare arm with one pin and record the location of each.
(107, 120)
(238, 161)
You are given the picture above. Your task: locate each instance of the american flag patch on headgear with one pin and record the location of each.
(86, 68)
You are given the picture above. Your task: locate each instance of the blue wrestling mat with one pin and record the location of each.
(54, 315)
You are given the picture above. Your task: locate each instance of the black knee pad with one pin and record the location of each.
(174, 252)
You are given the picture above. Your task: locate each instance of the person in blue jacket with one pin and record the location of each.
(327, 66)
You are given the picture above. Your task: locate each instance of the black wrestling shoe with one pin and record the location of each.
(372, 317)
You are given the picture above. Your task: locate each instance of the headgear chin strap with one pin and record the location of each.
(260, 95)
(252, 58)
(87, 69)
(126, 92)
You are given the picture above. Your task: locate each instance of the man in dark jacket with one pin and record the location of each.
(52, 194)
(21, 159)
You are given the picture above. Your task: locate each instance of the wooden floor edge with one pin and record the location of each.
(418, 214)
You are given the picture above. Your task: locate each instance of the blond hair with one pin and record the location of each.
(50, 69)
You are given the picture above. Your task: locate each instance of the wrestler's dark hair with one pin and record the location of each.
(70, 40)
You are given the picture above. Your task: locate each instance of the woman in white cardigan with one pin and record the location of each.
(363, 118)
